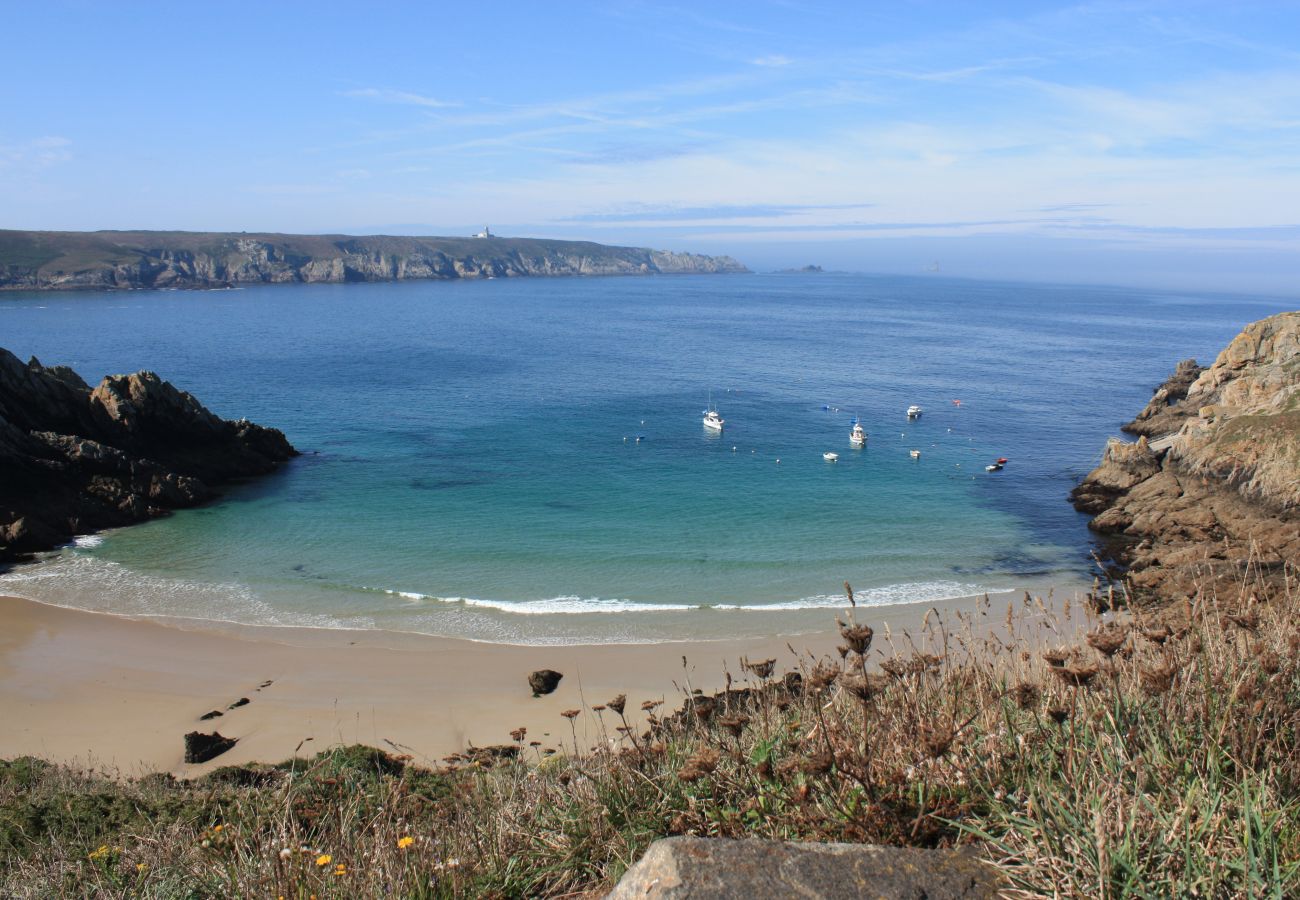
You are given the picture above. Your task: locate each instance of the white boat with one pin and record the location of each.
(858, 436)
(830, 457)
(914, 411)
(712, 420)
(916, 454)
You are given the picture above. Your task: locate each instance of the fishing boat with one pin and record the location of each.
(916, 454)
(914, 411)
(996, 465)
(830, 457)
(712, 420)
(858, 436)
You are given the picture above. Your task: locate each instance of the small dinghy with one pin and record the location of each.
(916, 454)
(996, 465)
(914, 411)
(830, 457)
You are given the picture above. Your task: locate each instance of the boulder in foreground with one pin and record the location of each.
(677, 868)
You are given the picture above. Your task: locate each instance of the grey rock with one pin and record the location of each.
(678, 868)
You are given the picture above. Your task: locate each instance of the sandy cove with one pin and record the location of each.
(119, 694)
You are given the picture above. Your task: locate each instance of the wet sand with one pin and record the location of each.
(119, 694)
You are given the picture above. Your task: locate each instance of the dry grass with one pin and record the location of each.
(1132, 758)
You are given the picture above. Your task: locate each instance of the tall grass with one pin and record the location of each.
(1111, 755)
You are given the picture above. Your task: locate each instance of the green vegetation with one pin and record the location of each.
(1115, 756)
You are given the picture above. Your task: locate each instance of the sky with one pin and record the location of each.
(1152, 143)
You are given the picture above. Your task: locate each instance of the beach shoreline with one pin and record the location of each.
(113, 693)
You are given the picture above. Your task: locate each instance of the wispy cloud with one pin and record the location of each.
(405, 98)
(37, 153)
(647, 213)
(775, 60)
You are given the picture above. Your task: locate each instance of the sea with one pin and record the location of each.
(524, 461)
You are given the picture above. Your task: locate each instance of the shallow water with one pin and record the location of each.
(471, 464)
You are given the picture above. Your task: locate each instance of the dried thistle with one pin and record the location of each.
(818, 763)
(571, 714)
(703, 707)
(1026, 694)
(734, 724)
(864, 688)
(1269, 661)
(1058, 714)
(763, 668)
(647, 705)
(1108, 639)
(857, 637)
(1056, 656)
(1246, 621)
(1158, 635)
(822, 676)
(1158, 680)
(518, 734)
(1078, 676)
(702, 762)
(936, 740)
(618, 703)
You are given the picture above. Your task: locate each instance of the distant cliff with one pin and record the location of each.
(1212, 486)
(70, 260)
(75, 460)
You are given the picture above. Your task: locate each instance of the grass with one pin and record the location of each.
(1084, 755)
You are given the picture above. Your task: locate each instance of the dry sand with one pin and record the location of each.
(119, 694)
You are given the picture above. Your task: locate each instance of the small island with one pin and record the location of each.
(806, 270)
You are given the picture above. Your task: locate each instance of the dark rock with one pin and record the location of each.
(211, 715)
(242, 701)
(544, 681)
(718, 869)
(75, 460)
(200, 747)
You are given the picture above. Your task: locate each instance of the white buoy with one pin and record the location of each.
(778, 459)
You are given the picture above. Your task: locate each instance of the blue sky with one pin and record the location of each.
(1125, 142)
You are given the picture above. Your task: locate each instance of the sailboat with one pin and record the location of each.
(712, 420)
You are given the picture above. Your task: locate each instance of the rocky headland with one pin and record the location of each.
(1210, 491)
(65, 260)
(75, 459)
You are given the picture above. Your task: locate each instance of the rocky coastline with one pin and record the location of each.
(75, 460)
(1210, 491)
(55, 260)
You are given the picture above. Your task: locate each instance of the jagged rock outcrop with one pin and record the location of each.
(1213, 483)
(75, 460)
(678, 868)
(53, 260)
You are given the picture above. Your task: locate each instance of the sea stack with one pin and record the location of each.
(1212, 486)
(74, 460)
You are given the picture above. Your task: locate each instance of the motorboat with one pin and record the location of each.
(858, 436)
(996, 465)
(916, 454)
(830, 457)
(914, 411)
(712, 420)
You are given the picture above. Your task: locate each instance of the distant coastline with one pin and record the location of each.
(101, 260)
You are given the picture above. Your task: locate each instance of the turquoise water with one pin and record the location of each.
(471, 464)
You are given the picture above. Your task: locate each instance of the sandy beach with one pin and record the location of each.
(119, 694)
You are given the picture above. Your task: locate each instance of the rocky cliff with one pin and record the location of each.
(55, 260)
(74, 460)
(1212, 485)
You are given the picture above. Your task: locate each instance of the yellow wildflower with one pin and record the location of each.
(141, 867)
(404, 842)
(324, 859)
(98, 854)
(340, 869)
(218, 827)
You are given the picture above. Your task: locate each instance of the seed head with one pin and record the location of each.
(571, 714)
(1026, 694)
(1108, 639)
(618, 703)
(763, 668)
(857, 637)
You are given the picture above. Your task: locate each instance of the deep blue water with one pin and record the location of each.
(471, 464)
